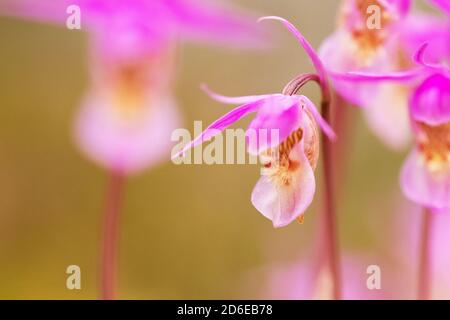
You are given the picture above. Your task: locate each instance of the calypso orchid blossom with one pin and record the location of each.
(358, 46)
(425, 177)
(129, 111)
(287, 186)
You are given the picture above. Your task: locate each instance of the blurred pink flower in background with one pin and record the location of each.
(358, 46)
(304, 280)
(425, 177)
(129, 112)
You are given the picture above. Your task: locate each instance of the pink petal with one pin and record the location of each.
(431, 101)
(429, 189)
(204, 20)
(232, 100)
(339, 59)
(306, 46)
(221, 124)
(388, 116)
(40, 10)
(420, 59)
(421, 28)
(126, 145)
(278, 113)
(318, 117)
(283, 204)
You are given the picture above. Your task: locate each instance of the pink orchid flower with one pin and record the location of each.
(425, 177)
(287, 186)
(356, 46)
(129, 111)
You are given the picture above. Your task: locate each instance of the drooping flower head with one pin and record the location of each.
(129, 111)
(287, 186)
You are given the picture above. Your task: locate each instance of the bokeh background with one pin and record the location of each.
(188, 232)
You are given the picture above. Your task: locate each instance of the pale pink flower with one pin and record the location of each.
(287, 186)
(355, 46)
(129, 111)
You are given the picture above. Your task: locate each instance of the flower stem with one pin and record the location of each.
(108, 263)
(343, 128)
(329, 223)
(424, 275)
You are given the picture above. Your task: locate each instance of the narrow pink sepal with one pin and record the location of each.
(321, 71)
(398, 76)
(232, 100)
(221, 124)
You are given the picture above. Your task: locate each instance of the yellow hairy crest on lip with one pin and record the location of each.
(434, 145)
(280, 162)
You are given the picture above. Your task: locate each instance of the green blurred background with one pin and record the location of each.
(187, 231)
